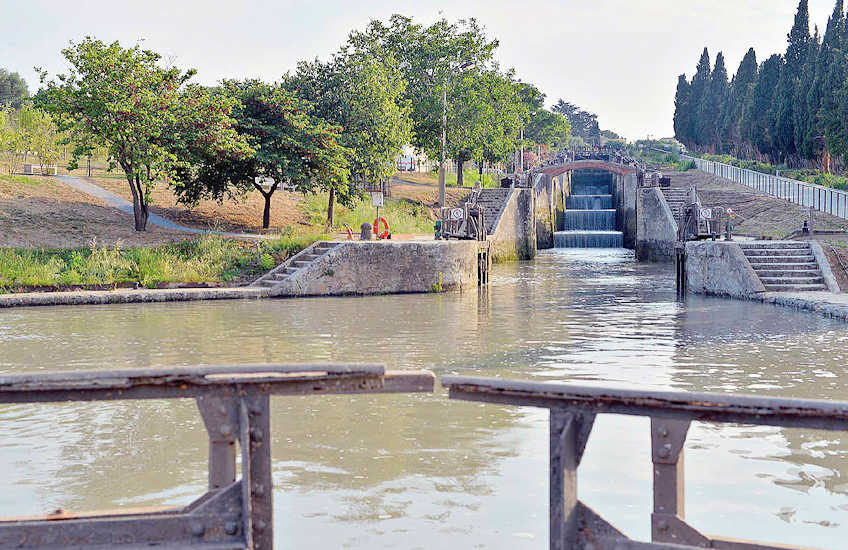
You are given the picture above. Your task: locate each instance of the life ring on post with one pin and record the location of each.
(385, 234)
(349, 232)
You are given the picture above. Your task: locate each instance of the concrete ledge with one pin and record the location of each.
(720, 268)
(824, 265)
(128, 296)
(830, 305)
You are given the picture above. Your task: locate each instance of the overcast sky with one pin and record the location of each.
(619, 59)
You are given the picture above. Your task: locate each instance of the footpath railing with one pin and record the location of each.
(824, 199)
(572, 414)
(234, 403)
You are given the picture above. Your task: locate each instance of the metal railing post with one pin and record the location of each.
(257, 489)
(569, 432)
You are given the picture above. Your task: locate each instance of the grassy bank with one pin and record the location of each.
(470, 177)
(403, 215)
(657, 159)
(211, 259)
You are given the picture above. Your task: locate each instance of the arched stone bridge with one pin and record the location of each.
(615, 168)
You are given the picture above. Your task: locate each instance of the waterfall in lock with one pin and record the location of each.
(590, 213)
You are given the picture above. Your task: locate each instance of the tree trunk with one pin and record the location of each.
(331, 206)
(140, 209)
(459, 178)
(266, 212)
(480, 168)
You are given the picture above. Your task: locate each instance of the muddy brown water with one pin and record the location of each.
(420, 471)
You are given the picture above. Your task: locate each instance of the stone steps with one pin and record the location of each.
(785, 266)
(492, 202)
(786, 252)
(300, 260)
(765, 266)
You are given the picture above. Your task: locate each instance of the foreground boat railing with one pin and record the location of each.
(572, 414)
(234, 402)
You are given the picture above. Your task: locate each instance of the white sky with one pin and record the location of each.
(619, 59)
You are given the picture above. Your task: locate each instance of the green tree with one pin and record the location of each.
(145, 116)
(430, 59)
(712, 106)
(806, 103)
(363, 95)
(485, 120)
(583, 123)
(13, 89)
(697, 90)
(830, 74)
(288, 144)
(682, 112)
(738, 99)
(790, 77)
(758, 121)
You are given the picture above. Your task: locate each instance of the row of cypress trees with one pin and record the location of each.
(791, 108)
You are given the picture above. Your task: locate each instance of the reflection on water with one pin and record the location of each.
(417, 471)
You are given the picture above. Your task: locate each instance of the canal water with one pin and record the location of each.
(420, 471)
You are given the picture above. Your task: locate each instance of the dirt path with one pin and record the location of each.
(42, 212)
(116, 201)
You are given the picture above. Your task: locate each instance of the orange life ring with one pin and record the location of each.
(385, 234)
(349, 232)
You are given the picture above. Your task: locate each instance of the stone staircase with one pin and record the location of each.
(297, 262)
(676, 197)
(785, 266)
(492, 201)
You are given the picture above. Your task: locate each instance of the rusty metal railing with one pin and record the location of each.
(234, 402)
(572, 414)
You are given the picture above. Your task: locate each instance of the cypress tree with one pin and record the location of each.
(806, 102)
(737, 99)
(697, 90)
(681, 110)
(710, 109)
(790, 76)
(758, 120)
(830, 74)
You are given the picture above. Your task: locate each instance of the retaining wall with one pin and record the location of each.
(515, 234)
(721, 269)
(656, 230)
(385, 267)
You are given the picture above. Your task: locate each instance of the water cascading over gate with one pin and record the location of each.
(590, 213)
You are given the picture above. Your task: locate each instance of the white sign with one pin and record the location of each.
(377, 199)
(706, 213)
(264, 181)
(456, 213)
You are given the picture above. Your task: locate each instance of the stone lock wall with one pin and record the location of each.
(656, 230)
(515, 234)
(720, 268)
(386, 267)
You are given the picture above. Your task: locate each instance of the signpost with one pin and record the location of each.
(377, 200)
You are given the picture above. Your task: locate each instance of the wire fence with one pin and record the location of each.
(824, 199)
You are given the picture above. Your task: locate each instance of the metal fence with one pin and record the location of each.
(825, 199)
(234, 403)
(572, 414)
